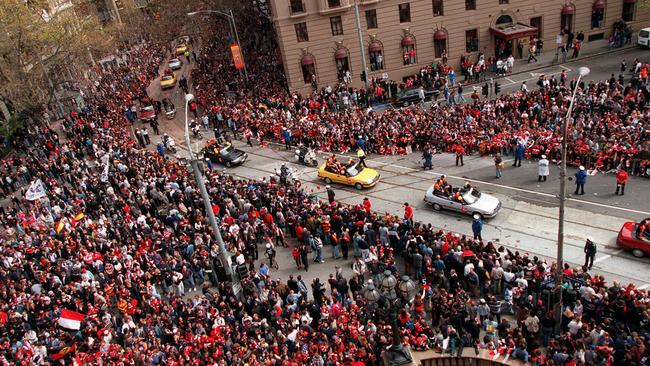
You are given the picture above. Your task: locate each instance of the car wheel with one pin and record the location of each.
(480, 215)
(358, 186)
(638, 253)
(437, 207)
(229, 164)
(328, 181)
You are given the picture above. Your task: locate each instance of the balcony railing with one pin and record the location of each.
(467, 358)
(333, 6)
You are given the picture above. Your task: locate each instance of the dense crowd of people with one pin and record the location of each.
(118, 233)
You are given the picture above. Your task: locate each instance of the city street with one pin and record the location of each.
(528, 220)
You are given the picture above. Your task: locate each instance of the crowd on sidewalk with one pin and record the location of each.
(117, 234)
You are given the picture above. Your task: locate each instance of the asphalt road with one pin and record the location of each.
(528, 219)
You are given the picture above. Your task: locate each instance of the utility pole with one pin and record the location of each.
(361, 47)
(559, 270)
(216, 231)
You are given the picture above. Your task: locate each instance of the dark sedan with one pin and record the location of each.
(412, 96)
(228, 155)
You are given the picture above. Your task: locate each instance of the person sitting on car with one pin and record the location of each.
(458, 197)
(333, 165)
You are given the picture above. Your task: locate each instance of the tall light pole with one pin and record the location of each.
(361, 47)
(559, 273)
(233, 29)
(198, 176)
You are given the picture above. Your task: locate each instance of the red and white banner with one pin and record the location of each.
(71, 319)
(237, 57)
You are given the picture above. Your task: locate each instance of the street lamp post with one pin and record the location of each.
(362, 49)
(198, 176)
(233, 29)
(559, 274)
(393, 293)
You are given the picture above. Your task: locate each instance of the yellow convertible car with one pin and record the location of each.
(355, 175)
(168, 81)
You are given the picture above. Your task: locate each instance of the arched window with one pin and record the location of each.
(408, 50)
(504, 21)
(376, 55)
(440, 43)
(566, 20)
(598, 14)
(307, 64)
(341, 58)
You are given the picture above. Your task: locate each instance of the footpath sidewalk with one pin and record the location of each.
(549, 58)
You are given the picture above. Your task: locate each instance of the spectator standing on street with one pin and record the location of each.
(408, 214)
(460, 151)
(367, 206)
(477, 227)
(498, 164)
(520, 149)
(427, 155)
(581, 180)
(590, 252)
(542, 169)
(330, 194)
(621, 180)
(286, 135)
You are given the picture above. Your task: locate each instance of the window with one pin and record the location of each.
(376, 56)
(297, 6)
(371, 19)
(308, 69)
(342, 67)
(470, 4)
(337, 26)
(471, 40)
(597, 17)
(566, 22)
(504, 2)
(408, 54)
(537, 23)
(404, 13)
(333, 3)
(628, 11)
(440, 48)
(438, 8)
(301, 32)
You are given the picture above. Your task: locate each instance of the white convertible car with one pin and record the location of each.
(474, 202)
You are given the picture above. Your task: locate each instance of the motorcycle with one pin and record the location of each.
(307, 156)
(169, 144)
(290, 178)
(196, 130)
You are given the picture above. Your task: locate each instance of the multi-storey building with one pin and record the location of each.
(319, 37)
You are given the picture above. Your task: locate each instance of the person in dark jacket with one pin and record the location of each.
(330, 194)
(590, 252)
(477, 227)
(519, 154)
(581, 179)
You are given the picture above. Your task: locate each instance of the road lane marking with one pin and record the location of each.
(565, 68)
(493, 184)
(608, 256)
(510, 80)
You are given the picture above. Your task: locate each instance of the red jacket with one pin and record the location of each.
(621, 177)
(408, 212)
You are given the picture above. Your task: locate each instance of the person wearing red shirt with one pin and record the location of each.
(460, 151)
(621, 180)
(367, 205)
(408, 213)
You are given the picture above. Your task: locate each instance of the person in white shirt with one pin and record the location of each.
(542, 169)
(524, 87)
(574, 325)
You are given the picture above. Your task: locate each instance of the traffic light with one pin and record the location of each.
(497, 88)
(363, 76)
(485, 89)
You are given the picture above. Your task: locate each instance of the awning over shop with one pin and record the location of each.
(341, 53)
(599, 4)
(408, 41)
(568, 10)
(307, 60)
(513, 31)
(375, 47)
(440, 35)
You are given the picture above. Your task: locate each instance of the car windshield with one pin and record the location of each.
(227, 150)
(167, 77)
(174, 61)
(354, 170)
(471, 196)
(147, 109)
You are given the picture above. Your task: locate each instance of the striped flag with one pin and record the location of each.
(71, 319)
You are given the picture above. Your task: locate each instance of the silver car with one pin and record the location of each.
(175, 64)
(474, 202)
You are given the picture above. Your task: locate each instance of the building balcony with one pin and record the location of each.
(333, 6)
(297, 9)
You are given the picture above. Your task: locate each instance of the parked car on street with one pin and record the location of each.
(474, 202)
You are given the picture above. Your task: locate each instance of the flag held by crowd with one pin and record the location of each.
(35, 191)
(71, 319)
(64, 351)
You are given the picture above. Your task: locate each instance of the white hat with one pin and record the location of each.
(591, 239)
(543, 156)
(268, 246)
(327, 187)
(477, 216)
(582, 167)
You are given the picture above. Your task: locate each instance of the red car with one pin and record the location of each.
(147, 114)
(630, 238)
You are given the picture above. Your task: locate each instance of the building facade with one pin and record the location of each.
(319, 39)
